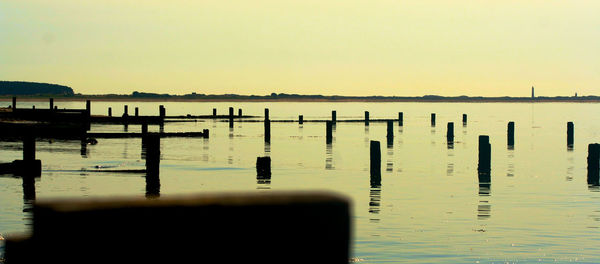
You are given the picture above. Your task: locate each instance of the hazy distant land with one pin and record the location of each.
(35, 91)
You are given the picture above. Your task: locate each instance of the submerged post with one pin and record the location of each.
(152, 142)
(263, 168)
(328, 132)
(333, 116)
(450, 132)
(511, 134)
(433, 119)
(570, 135)
(593, 164)
(51, 103)
(375, 162)
(400, 118)
(300, 119)
(366, 118)
(484, 164)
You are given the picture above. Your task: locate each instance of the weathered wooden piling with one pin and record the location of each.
(230, 112)
(328, 132)
(152, 142)
(110, 111)
(390, 130)
(300, 119)
(144, 128)
(366, 118)
(263, 167)
(28, 166)
(51, 103)
(14, 103)
(450, 132)
(432, 119)
(240, 112)
(205, 133)
(214, 111)
(400, 118)
(28, 148)
(333, 117)
(484, 161)
(593, 164)
(464, 119)
(570, 135)
(162, 111)
(137, 111)
(88, 107)
(125, 110)
(266, 113)
(511, 133)
(375, 162)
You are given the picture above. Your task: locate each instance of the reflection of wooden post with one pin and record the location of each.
(432, 119)
(593, 163)
(400, 118)
(152, 142)
(328, 132)
(367, 118)
(375, 161)
(511, 133)
(570, 136)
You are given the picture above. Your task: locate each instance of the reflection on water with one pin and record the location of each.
(329, 157)
(389, 165)
(374, 199)
(510, 172)
(484, 208)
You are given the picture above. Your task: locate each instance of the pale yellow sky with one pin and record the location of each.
(349, 47)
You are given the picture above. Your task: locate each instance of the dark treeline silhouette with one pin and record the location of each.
(32, 88)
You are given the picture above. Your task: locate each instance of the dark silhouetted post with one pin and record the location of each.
(450, 132)
(214, 111)
(432, 119)
(137, 111)
(375, 150)
(390, 130)
(366, 118)
(333, 116)
(88, 107)
(511, 134)
(464, 119)
(300, 119)
(328, 132)
(125, 110)
(29, 148)
(144, 129)
(205, 133)
(485, 157)
(266, 113)
(570, 135)
(267, 126)
(109, 111)
(162, 111)
(51, 103)
(14, 103)
(593, 163)
(230, 112)
(152, 142)
(400, 118)
(240, 112)
(263, 168)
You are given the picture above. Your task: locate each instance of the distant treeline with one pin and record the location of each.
(32, 88)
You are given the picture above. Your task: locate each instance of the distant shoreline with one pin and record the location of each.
(308, 100)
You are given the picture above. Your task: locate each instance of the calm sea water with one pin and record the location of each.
(429, 208)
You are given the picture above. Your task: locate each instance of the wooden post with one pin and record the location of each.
(366, 118)
(109, 111)
(266, 113)
(137, 111)
(88, 107)
(375, 162)
(390, 130)
(263, 168)
(125, 110)
(28, 148)
(162, 111)
(240, 112)
(484, 165)
(214, 111)
(205, 133)
(14, 103)
(450, 132)
(570, 136)
(230, 112)
(144, 128)
(301, 119)
(593, 163)
(464, 119)
(152, 142)
(333, 117)
(51, 103)
(433, 119)
(328, 132)
(400, 118)
(511, 133)
(267, 130)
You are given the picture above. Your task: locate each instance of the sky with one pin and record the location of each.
(333, 47)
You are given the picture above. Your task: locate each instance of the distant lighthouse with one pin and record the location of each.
(532, 92)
